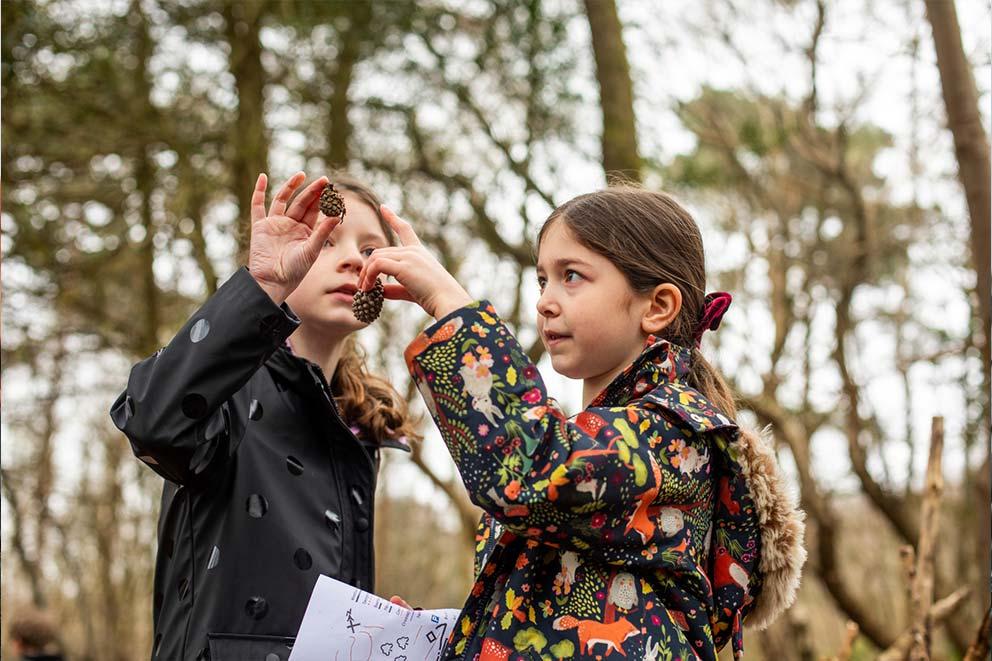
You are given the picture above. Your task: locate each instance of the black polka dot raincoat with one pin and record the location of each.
(266, 486)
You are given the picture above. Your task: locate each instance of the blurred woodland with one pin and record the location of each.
(834, 152)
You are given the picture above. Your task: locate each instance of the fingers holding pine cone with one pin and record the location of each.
(367, 305)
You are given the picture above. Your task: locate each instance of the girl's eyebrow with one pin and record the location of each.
(372, 236)
(565, 262)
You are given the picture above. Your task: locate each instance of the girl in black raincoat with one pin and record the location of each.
(267, 429)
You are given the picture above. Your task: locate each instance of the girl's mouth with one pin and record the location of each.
(344, 292)
(554, 339)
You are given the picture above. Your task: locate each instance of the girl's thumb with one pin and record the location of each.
(320, 232)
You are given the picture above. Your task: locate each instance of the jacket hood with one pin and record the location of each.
(781, 522)
(749, 483)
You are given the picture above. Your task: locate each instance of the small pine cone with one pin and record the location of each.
(368, 304)
(331, 202)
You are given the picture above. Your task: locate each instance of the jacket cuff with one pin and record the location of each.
(275, 322)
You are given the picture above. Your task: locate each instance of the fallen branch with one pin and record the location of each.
(941, 610)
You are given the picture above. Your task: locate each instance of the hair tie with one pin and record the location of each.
(714, 307)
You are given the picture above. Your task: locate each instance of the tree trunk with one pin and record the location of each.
(971, 147)
(147, 337)
(616, 93)
(339, 126)
(250, 143)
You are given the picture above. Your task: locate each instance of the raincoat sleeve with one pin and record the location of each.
(177, 410)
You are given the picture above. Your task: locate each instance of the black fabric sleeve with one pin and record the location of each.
(177, 410)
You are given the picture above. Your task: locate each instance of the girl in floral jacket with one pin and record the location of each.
(650, 524)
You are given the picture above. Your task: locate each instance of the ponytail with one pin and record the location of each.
(705, 378)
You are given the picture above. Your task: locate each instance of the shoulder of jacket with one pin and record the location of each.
(688, 405)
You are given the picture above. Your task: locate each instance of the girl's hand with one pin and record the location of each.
(400, 602)
(421, 277)
(286, 242)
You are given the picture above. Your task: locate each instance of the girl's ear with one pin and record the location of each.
(664, 305)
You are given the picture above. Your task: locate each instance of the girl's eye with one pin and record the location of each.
(569, 273)
(368, 252)
(328, 244)
(541, 282)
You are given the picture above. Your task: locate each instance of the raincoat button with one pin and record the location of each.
(257, 608)
(269, 325)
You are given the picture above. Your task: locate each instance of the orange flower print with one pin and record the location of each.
(512, 489)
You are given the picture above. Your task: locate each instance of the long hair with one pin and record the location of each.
(366, 400)
(652, 240)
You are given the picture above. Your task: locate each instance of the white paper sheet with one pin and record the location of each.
(343, 623)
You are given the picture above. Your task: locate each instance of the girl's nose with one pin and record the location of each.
(546, 305)
(351, 260)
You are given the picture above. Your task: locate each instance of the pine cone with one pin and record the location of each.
(368, 304)
(331, 202)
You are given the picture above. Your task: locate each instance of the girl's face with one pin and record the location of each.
(323, 299)
(589, 317)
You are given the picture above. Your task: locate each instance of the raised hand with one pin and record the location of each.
(286, 241)
(421, 277)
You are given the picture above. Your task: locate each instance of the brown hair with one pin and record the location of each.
(652, 240)
(367, 400)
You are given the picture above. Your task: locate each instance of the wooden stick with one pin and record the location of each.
(941, 610)
(907, 554)
(850, 635)
(922, 593)
(979, 648)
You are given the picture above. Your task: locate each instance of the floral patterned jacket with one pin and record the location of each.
(648, 525)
